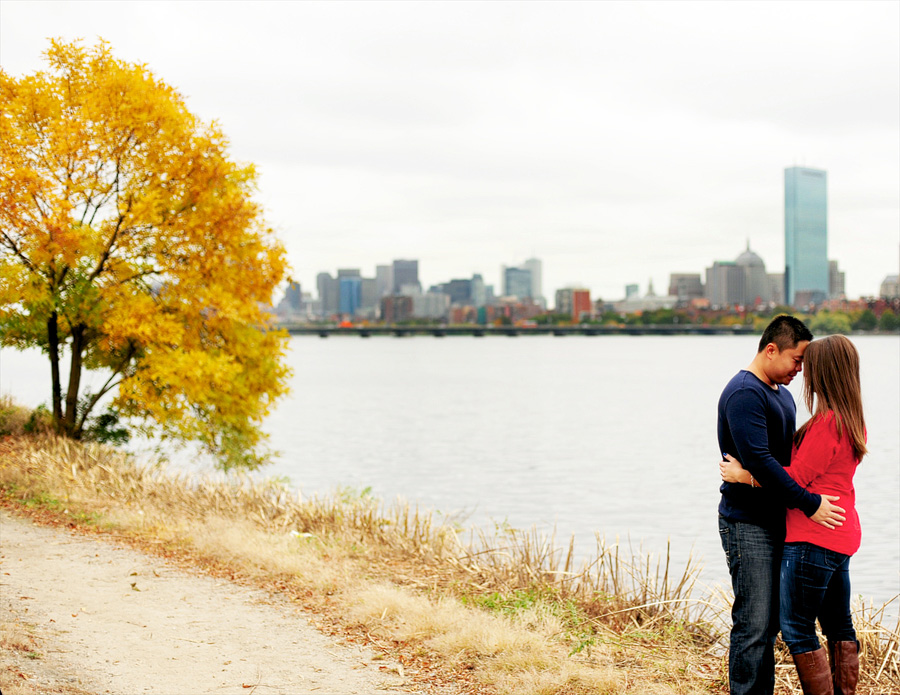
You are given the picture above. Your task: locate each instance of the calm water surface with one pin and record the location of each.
(613, 435)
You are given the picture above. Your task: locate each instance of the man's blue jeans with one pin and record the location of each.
(815, 583)
(754, 562)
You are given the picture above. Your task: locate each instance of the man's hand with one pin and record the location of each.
(829, 515)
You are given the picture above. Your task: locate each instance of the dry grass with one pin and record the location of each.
(16, 420)
(509, 610)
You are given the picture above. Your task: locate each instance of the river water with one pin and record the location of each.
(613, 435)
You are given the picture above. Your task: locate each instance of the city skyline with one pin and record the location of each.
(740, 281)
(617, 142)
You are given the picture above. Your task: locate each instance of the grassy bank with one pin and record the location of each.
(501, 613)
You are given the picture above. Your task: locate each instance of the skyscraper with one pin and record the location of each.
(349, 290)
(406, 273)
(384, 280)
(479, 295)
(836, 278)
(294, 296)
(517, 283)
(350, 293)
(329, 293)
(535, 267)
(805, 236)
(724, 284)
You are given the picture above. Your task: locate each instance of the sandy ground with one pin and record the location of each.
(111, 620)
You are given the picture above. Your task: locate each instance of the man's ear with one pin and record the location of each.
(771, 350)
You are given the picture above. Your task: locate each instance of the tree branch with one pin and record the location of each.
(107, 252)
(107, 387)
(18, 252)
(138, 276)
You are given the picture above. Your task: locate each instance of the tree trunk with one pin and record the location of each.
(75, 382)
(53, 349)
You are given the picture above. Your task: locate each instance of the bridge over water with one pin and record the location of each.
(514, 331)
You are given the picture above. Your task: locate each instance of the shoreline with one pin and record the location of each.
(401, 580)
(555, 330)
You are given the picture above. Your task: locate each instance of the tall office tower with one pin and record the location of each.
(725, 282)
(479, 294)
(460, 291)
(368, 295)
(835, 281)
(517, 283)
(535, 267)
(406, 273)
(294, 296)
(805, 236)
(329, 293)
(384, 280)
(349, 290)
(776, 288)
(351, 293)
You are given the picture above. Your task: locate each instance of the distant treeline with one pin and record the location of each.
(880, 317)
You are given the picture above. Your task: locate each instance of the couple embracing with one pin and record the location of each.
(787, 542)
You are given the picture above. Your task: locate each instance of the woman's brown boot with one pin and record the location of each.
(845, 666)
(814, 673)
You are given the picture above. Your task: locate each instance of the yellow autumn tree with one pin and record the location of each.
(131, 244)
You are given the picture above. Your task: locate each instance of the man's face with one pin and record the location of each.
(784, 365)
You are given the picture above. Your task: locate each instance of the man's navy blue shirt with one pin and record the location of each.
(756, 426)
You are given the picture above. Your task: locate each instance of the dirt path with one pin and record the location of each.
(111, 620)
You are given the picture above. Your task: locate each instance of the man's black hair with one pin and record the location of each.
(785, 331)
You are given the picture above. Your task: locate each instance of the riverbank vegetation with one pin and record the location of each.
(863, 316)
(506, 611)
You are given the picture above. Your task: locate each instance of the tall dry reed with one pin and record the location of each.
(618, 596)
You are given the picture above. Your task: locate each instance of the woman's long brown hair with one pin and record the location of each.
(831, 382)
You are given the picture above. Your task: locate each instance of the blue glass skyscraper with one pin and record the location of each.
(350, 294)
(805, 236)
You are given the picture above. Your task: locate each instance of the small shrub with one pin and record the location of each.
(106, 429)
(889, 321)
(13, 418)
(39, 422)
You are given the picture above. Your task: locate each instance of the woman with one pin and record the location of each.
(815, 578)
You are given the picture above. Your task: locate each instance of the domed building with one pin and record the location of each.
(742, 282)
(756, 281)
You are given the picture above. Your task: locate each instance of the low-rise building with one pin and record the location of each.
(574, 302)
(685, 286)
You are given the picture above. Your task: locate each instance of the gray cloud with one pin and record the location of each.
(618, 140)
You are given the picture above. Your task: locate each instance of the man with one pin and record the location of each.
(756, 423)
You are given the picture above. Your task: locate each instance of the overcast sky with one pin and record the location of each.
(617, 142)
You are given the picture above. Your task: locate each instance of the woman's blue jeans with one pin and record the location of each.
(815, 583)
(754, 561)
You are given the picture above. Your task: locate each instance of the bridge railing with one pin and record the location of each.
(478, 331)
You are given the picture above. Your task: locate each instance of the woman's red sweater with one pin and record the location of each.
(825, 463)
